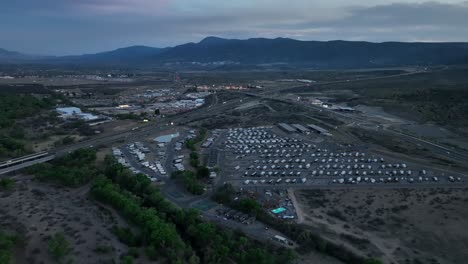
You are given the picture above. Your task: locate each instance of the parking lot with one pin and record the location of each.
(264, 156)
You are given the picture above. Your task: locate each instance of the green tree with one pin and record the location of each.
(249, 205)
(6, 184)
(373, 261)
(126, 260)
(59, 247)
(6, 244)
(203, 172)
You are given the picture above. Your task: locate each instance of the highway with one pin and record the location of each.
(26, 164)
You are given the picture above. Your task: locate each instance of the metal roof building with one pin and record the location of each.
(68, 111)
(287, 127)
(318, 129)
(301, 128)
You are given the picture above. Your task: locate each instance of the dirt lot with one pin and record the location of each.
(39, 210)
(398, 226)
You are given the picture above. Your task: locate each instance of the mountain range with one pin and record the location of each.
(219, 52)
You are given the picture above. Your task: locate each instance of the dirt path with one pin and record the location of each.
(297, 207)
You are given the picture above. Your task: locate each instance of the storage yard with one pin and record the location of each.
(265, 156)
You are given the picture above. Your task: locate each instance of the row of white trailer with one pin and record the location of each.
(356, 180)
(178, 163)
(156, 167)
(138, 150)
(324, 172)
(337, 162)
(286, 159)
(121, 159)
(276, 181)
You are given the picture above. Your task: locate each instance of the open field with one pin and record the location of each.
(39, 210)
(434, 96)
(402, 226)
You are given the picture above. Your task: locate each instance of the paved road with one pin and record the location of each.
(326, 185)
(26, 164)
(346, 81)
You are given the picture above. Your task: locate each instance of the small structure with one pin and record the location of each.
(340, 108)
(278, 210)
(87, 116)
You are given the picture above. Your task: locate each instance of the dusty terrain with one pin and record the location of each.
(38, 211)
(398, 226)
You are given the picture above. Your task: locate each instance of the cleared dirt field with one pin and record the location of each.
(38, 211)
(397, 226)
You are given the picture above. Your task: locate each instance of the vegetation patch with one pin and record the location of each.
(74, 169)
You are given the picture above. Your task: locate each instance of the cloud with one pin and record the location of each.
(77, 26)
(398, 21)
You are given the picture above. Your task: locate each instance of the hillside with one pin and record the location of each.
(315, 53)
(213, 51)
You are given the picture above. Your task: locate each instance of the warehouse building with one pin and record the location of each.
(75, 112)
(287, 128)
(301, 128)
(318, 129)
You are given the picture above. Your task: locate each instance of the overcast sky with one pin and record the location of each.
(62, 27)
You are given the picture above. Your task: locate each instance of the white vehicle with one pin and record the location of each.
(280, 239)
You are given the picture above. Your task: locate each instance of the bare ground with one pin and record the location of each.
(397, 226)
(39, 210)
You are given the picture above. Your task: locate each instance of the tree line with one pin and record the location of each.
(192, 240)
(74, 169)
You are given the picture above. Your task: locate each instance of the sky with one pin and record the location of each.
(66, 27)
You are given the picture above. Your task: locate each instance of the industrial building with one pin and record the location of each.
(287, 127)
(301, 128)
(68, 111)
(318, 129)
(75, 112)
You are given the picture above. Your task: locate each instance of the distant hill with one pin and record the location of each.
(134, 55)
(11, 56)
(216, 52)
(316, 53)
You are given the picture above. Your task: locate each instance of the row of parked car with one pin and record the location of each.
(231, 214)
